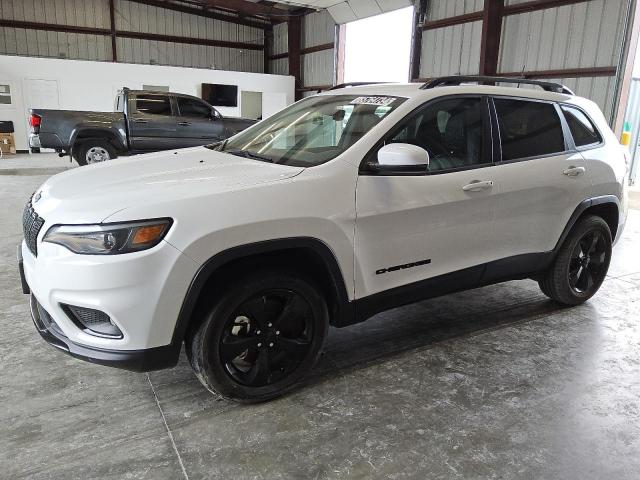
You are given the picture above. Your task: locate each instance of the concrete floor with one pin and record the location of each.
(497, 382)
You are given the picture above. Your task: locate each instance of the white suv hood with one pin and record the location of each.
(91, 194)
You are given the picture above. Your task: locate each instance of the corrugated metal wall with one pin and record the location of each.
(439, 9)
(581, 35)
(90, 13)
(280, 45)
(451, 50)
(130, 16)
(318, 28)
(317, 68)
(79, 13)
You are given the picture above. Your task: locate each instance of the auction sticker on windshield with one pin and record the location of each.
(382, 101)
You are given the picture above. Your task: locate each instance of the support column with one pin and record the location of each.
(491, 32)
(419, 16)
(112, 16)
(294, 25)
(339, 46)
(268, 47)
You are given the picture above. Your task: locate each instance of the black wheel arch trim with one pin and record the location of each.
(583, 207)
(344, 308)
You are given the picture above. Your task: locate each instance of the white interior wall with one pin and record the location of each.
(85, 85)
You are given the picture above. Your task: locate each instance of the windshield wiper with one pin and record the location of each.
(247, 154)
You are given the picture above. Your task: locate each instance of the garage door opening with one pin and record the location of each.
(377, 49)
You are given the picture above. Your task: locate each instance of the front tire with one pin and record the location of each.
(581, 264)
(89, 152)
(260, 338)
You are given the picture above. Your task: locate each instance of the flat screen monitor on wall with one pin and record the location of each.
(220, 95)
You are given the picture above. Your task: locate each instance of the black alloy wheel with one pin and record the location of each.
(586, 267)
(258, 337)
(581, 264)
(267, 337)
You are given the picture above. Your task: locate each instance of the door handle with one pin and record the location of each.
(140, 120)
(574, 171)
(478, 186)
(184, 124)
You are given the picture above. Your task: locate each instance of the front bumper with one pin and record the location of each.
(141, 293)
(145, 360)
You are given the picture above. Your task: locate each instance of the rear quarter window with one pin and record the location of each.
(583, 131)
(528, 129)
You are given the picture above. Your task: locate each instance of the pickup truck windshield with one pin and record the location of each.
(312, 131)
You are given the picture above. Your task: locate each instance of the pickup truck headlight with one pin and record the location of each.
(109, 238)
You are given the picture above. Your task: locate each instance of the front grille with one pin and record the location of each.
(31, 225)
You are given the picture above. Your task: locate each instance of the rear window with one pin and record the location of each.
(582, 128)
(528, 129)
(153, 104)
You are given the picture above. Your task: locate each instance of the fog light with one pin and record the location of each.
(93, 321)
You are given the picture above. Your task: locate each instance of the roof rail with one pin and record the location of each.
(353, 84)
(458, 79)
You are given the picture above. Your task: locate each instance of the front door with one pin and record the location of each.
(152, 124)
(412, 227)
(197, 123)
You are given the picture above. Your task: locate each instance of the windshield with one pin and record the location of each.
(312, 131)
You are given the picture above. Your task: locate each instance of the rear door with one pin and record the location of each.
(152, 123)
(197, 123)
(541, 178)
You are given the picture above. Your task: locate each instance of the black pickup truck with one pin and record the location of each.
(143, 121)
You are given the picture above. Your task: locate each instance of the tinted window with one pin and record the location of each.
(450, 130)
(190, 107)
(153, 104)
(582, 129)
(528, 129)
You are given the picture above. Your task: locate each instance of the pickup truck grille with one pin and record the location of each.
(31, 225)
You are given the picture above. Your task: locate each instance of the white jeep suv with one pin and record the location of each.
(345, 204)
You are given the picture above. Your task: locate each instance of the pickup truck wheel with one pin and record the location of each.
(93, 151)
(581, 264)
(260, 338)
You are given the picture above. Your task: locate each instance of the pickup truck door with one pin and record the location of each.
(198, 123)
(152, 123)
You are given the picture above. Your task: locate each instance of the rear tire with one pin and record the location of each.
(260, 337)
(88, 152)
(581, 264)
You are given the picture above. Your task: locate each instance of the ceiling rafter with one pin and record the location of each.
(194, 8)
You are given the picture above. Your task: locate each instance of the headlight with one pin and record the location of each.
(109, 238)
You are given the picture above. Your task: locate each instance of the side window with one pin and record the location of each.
(528, 129)
(582, 129)
(153, 104)
(450, 130)
(190, 107)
